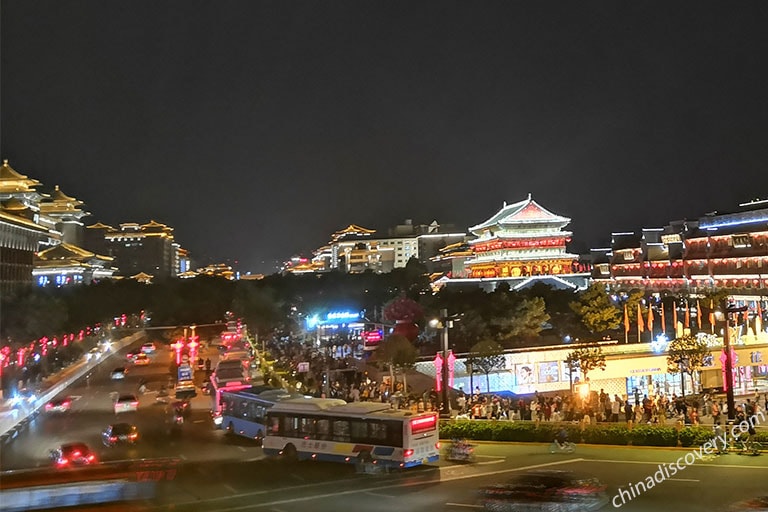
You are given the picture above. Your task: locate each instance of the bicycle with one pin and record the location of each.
(565, 447)
(747, 446)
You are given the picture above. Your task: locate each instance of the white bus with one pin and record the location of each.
(360, 432)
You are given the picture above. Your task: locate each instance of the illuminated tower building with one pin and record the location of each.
(520, 240)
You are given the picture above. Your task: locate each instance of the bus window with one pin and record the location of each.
(341, 431)
(359, 431)
(274, 425)
(290, 426)
(323, 429)
(377, 431)
(306, 426)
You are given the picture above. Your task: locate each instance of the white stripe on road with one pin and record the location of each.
(380, 495)
(735, 466)
(443, 479)
(466, 505)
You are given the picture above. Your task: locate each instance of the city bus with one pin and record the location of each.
(217, 391)
(354, 433)
(243, 412)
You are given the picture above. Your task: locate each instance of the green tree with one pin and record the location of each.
(596, 310)
(487, 356)
(686, 355)
(398, 353)
(586, 359)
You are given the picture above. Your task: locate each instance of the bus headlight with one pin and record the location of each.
(217, 420)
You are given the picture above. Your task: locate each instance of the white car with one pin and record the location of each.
(93, 355)
(126, 403)
(148, 348)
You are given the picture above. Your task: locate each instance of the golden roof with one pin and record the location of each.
(100, 225)
(13, 205)
(142, 277)
(21, 221)
(12, 181)
(155, 224)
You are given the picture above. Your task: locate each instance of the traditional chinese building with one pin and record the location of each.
(522, 243)
(66, 264)
(724, 251)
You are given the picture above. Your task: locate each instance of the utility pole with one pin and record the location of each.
(728, 378)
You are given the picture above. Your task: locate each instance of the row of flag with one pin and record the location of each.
(648, 325)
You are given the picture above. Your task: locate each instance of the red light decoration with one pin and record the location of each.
(20, 356)
(451, 363)
(438, 372)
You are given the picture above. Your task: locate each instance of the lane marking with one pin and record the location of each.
(736, 466)
(230, 488)
(489, 457)
(682, 480)
(490, 462)
(380, 495)
(465, 505)
(442, 479)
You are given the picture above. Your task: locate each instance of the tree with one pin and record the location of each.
(586, 359)
(399, 354)
(487, 356)
(596, 310)
(686, 355)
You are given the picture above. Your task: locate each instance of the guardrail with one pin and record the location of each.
(10, 427)
(75, 494)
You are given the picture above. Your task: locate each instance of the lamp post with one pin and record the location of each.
(728, 309)
(445, 409)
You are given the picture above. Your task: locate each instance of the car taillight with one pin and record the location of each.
(408, 452)
(76, 454)
(113, 438)
(62, 462)
(48, 407)
(91, 458)
(133, 436)
(437, 445)
(135, 403)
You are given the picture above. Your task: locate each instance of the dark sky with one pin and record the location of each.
(257, 128)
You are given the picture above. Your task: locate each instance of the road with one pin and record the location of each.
(265, 485)
(202, 469)
(92, 411)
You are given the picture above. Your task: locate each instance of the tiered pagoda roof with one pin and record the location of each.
(15, 182)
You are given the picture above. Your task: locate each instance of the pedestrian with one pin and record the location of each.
(715, 413)
(615, 408)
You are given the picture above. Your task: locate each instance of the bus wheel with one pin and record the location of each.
(289, 453)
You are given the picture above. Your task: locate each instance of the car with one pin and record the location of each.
(546, 490)
(93, 355)
(126, 403)
(148, 348)
(118, 373)
(141, 360)
(132, 354)
(120, 433)
(59, 405)
(72, 454)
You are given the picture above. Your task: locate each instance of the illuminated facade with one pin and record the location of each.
(66, 264)
(724, 251)
(137, 248)
(522, 244)
(355, 249)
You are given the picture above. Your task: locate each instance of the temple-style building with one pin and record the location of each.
(356, 249)
(66, 264)
(521, 244)
(149, 248)
(719, 250)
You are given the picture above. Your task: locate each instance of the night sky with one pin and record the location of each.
(256, 129)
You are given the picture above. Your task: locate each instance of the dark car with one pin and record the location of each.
(546, 490)
(73, 454)
(118, 373)
(62, 404)
(120, 433)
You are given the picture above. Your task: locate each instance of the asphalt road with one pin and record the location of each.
(202, 469)
(92, 411)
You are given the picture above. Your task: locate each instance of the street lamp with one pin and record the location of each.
(444, 323)
(728, 378)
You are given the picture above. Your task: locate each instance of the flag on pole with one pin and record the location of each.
(687, 315)
(640, 325)
(759, 319)
(674, 315)
(650, 319)
(663, 322)
(698, 314)
(626, 319)
(712, 315)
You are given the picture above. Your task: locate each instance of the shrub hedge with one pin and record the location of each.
(611, 433)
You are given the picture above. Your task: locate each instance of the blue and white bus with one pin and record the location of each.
(360, 432)
(243, 412)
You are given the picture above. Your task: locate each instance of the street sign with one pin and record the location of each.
(302, 367)
(185, 372)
